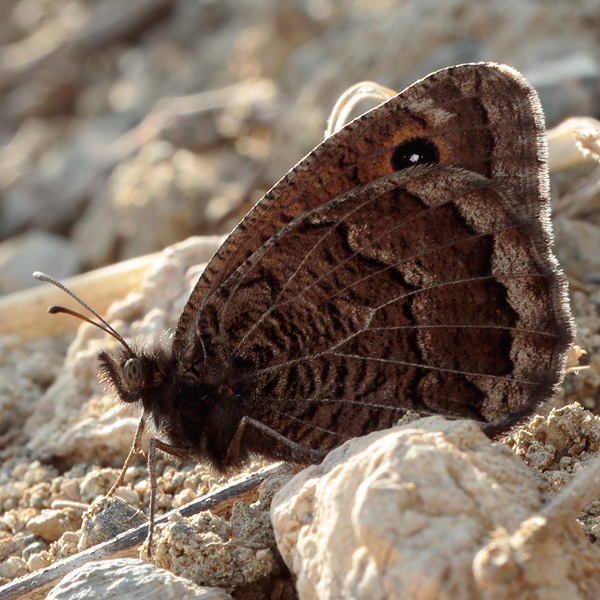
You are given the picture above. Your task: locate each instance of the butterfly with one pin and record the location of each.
(404, 264)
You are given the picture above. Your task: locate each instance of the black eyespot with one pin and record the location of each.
(133, 373)
(414, 152)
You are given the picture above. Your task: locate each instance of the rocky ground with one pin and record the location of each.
(128, 127)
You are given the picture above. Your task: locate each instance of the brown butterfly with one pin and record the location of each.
(404, 264)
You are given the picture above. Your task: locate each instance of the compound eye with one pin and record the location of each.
(132, 370)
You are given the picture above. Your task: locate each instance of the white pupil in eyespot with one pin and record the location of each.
(414, 158)
(132, 370)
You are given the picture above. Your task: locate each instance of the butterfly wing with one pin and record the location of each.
(403, 264)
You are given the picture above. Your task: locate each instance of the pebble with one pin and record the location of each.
(51, 524)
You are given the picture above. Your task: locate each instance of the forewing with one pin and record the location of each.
(482, 117)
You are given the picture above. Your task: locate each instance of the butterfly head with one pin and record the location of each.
(149, 376)
(126, 373)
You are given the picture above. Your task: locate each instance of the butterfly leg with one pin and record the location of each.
(135, 448)
(252, 434)
(177, 451)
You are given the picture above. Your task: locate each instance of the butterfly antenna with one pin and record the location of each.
(61, 309)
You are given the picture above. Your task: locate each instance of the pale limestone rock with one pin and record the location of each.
(129, 579)
(402, 514)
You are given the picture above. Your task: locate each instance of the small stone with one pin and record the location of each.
(15, 544)
(183, 497)
(128, 495)
(51, 524)
(106, 519)
(96, 483)
(532, 563)
(70, 489)
(17, 519)
(556, 445)
(13, 567)
(32, 549)
(38, 561)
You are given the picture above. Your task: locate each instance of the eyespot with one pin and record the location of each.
(415, 151)
(132, 370)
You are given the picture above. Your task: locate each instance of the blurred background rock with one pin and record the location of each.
(127, 126)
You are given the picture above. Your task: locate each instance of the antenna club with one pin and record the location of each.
(104, 325)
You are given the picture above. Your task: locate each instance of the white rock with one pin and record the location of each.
(402, 514)
(129, 579)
